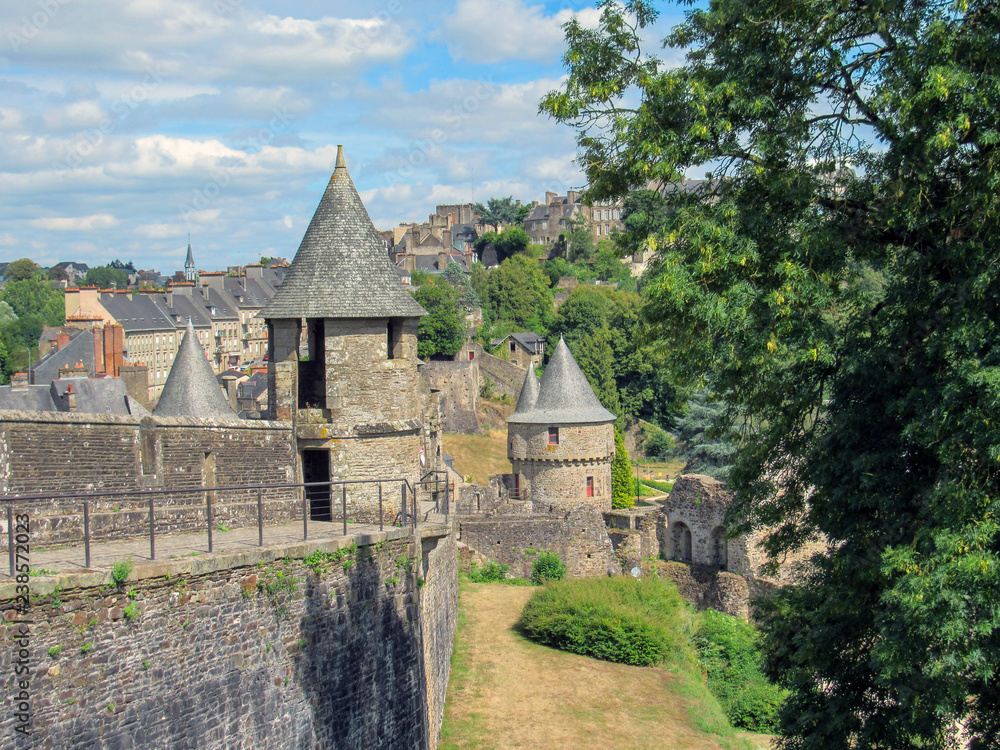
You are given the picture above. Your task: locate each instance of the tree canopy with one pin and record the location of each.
(844, 140)
(518, 291)
(500, 212)
(19, 270)
(106, 277)
(442, 330)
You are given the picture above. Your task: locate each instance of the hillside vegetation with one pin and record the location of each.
(507, 692)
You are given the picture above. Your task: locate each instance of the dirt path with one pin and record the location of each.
(506, 692)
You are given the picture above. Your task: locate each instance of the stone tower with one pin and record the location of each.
(342, 348)
(190, 270)
(560, 440)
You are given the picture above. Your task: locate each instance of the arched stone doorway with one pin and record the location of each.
(681, 542)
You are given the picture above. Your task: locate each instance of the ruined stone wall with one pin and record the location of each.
(507, 378)
(225, 653)
(577, 535)
(458, 383)
(72, 453)
(698, 505)
(707, 587)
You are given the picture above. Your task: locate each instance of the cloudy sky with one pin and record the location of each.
(127, 124)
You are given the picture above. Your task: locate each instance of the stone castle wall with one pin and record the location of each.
(226, 653)
(576, 534)
(507, 378)
(73, 453)
(458, 383)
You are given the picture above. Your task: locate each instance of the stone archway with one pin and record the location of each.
(680, 538)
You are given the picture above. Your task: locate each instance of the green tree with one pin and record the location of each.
(500, 212)
(622, 483)
(442, 330)
(701, 428)
(121, 265)
(842, 136)
(518, 291)
(459, 279)
(19, 270)
(106, 277)
(607, 263)
(579, 240)
(644, 214)
(594, 354)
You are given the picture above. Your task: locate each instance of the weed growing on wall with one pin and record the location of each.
(121, 570)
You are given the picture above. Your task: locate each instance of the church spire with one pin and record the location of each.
(190, 271)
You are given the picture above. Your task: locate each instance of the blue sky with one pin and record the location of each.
(127, 124)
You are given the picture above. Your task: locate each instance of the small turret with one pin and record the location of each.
(191, 389)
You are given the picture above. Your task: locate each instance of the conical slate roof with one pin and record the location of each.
(342, 269)
(528, 396)
(191, 389)
(189, 261)
(564, 395)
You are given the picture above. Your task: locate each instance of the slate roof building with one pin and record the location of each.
(342, 351)
(560, 439)
(191, 389)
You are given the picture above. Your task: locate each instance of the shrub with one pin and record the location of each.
(491, 572)
(548, 567)
(632, 621)
(728, 649)
(121, 570)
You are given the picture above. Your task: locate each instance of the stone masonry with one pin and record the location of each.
(259, 651)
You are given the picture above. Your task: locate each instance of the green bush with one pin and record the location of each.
(632, 621)
(729, 651)
(548, 567)
(491, 572)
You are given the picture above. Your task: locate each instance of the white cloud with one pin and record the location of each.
(492, 31)
(75, 223)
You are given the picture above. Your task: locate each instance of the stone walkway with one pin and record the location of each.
(71, 558)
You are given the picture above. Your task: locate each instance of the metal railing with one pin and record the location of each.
(441, 498)
(407, 507)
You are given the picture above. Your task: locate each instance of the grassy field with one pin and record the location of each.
(507, 692)
(478, 455)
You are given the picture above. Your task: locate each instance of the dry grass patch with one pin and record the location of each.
(478, 455)
(506, 692)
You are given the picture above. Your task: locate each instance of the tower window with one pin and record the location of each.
(553, 436)
(590, 486)
(394, 339)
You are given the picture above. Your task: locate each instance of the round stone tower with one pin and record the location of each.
(560, 440)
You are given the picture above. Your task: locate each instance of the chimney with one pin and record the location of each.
(136, 379)
(100, 366)
(410, 262)
(442, 260)
(550, 197)
(70, 398)
(446, 240)
(114, 349)
(255, 271)
(61, 340)
(19, 381)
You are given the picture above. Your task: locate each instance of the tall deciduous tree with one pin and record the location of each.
(518, 291)
(844, 138)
